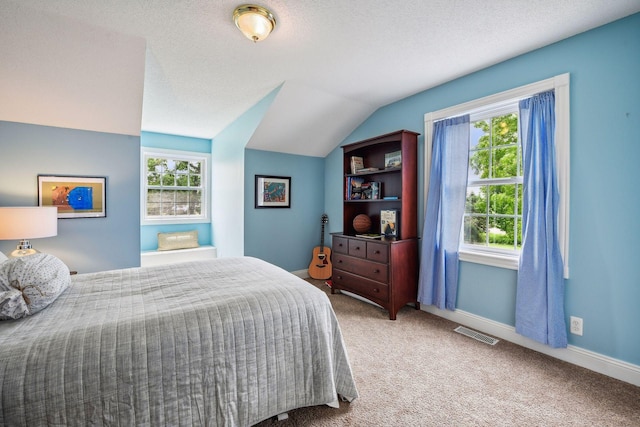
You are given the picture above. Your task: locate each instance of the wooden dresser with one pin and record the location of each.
(383, 271)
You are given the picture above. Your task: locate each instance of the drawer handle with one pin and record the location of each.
(339, 277)
(377, 252)
(340, 244)
(376, 290)
(339, 261)
(357, 248)
(376, 271)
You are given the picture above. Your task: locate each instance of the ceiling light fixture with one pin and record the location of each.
(255, 22)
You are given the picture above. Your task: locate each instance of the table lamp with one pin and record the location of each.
(24, 223)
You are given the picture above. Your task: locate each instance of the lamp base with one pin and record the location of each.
(24, 248)
(23, 252)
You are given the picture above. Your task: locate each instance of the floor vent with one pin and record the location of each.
(476, 335)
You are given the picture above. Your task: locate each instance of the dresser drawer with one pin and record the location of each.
(370, 289)
(358, 248)
(340, 245)
(362, 267)
(378, 252)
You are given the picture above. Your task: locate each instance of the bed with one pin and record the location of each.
(224, 342)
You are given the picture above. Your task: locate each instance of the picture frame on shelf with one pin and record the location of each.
(272, 191)
(74, 196)
(393, 160)
(389, 222)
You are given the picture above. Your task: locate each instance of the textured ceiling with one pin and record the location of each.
(181, 67)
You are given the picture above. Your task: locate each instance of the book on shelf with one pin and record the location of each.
(357, 188)
(376, 190)
(357, 163)
(389, 225)
(366, 190)
(365, 170)
(354, 188)
(393, 160)
(370, 235)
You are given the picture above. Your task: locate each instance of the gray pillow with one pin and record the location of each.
(3, 258)
(29, 284)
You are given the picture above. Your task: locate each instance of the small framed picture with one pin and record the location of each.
(389, 222)
(74, 196)
(273, 191)
(393, 160)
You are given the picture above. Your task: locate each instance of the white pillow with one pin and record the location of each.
(3, 258)
(29, 284)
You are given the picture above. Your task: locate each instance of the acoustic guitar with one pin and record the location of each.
(320, 266)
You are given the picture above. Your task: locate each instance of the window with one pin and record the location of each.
(493, 209)
(492, 228)
(174, 186)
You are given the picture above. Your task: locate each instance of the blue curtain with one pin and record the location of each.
(540, 291)
(438, 283)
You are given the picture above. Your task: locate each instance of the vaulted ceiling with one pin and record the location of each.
(181, 67)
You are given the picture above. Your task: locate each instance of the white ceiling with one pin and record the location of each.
(181, 67)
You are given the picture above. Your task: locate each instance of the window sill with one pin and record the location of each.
(166, 221)
(492, 259)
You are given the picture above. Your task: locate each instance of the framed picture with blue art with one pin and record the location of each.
(273, 191)
(74, 196)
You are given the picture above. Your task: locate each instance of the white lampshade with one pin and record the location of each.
(255, 22)
(23, 223)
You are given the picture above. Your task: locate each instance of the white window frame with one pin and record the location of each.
(496, 103)
(205, 158)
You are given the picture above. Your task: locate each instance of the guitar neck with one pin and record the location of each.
(324, 221)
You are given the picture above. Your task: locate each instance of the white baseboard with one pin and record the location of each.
(596, 362)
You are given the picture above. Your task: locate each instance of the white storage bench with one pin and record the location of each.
(149, 258)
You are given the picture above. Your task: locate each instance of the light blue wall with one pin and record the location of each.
(84, 244)
(285, 236)
(604, 287)
(149, 233)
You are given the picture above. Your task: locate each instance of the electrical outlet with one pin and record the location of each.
(576, 325)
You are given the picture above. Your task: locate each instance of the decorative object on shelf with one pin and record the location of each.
(74, 196)
(357, 164)
(389, 222)
(255, 22)
(370, 235)
(393, 160)
(362, 223)
(23, 223)
(320, 266)
(273, 191)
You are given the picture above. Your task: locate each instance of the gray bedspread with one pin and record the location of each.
(226, 342)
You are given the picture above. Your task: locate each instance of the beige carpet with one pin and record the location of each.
(416, 371)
